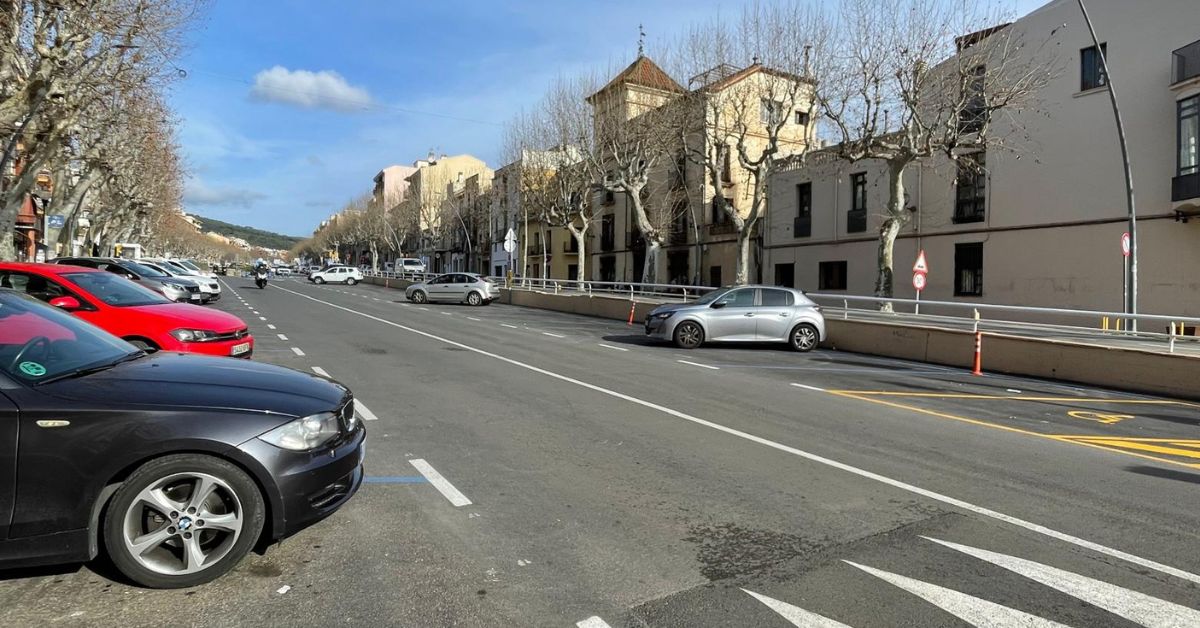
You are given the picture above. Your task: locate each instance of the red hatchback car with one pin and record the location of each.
(141, 316)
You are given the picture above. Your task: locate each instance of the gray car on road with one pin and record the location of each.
(741, 314)
(456, 287)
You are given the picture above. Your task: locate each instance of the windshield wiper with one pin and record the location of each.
(94, 369)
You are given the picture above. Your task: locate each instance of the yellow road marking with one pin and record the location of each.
(1098, 417)
(1016, 430)
(1140, 445)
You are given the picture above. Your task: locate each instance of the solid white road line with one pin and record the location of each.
(320, 371)
(807, 387)
(1136, 607)
(509, 326)
(798, 616)
(281, 336)
(592, 622)
(364, 412)
(973, 610)
(703, 366)
(270, 327)
(817, 458)
(546, 333)
(612, 347)
(440, 483)
(297, 351)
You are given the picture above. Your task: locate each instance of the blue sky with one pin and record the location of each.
(290, 107)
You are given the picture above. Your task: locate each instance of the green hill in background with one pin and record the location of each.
(256, 237)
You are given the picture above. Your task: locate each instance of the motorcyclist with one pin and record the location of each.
(261, 272)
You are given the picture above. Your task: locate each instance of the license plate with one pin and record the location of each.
(240, 349)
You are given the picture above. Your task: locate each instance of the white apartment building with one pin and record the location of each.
(1041, 227)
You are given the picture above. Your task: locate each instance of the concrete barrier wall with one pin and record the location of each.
(1171, 375)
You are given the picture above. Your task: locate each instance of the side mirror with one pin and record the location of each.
(718, 305)
(69, 304)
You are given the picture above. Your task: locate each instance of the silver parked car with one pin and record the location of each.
(457, 287)
(741, 314)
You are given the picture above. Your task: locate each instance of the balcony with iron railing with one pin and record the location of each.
(1185, 63)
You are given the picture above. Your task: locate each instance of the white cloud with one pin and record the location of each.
(313, 90)
(197, 193)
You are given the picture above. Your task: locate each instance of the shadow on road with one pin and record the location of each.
(1166, 474)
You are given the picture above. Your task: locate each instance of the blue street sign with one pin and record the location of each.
(56, 222)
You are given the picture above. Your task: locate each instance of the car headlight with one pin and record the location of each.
(664, 315)
(170, 287)
(304, 434)
(194, 335)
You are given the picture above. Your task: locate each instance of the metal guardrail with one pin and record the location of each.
(1092, 323)
(632, 290)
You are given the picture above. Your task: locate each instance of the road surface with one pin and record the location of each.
(530, 468)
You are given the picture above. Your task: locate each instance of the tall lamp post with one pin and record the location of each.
(1131, 277)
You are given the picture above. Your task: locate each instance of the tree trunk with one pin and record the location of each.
(742, 269)
(895, 221)
(581, 244)
(374, 257)
(650, 269)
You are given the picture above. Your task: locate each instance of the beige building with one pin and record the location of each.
(391, 185)
(543, 249)
(1041, 227)
(701, 245)
(430, 186)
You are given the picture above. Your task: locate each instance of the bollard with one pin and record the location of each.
(1172, 343)
(978, 370)
(632, 305)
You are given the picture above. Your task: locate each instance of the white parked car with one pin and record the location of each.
(337, 274)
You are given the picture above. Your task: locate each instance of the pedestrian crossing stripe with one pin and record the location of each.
(1183, 448)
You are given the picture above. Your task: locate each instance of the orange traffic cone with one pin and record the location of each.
(978, 370)
(632, 305)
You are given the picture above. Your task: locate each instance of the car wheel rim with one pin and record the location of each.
(182, 524)
(690, 335)
(805, 338)
(473, 299)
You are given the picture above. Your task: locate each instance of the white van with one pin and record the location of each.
(410, 265)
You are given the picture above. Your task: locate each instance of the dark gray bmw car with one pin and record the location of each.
(174, 465)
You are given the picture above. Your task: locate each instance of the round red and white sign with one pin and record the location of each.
(1125, 244)
(919, 281)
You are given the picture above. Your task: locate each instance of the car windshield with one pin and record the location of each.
(712, 296)
(159, 269)
(187, 264)
(40, 343)
(116, 291)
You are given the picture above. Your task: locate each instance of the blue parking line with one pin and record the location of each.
(395, 479)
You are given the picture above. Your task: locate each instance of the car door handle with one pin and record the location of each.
(748, 314)
(783, 313)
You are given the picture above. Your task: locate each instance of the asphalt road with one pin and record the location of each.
(531, 468)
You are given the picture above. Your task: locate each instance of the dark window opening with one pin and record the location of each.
(1091, 71)
(856, 220)
(802, 224)
(802, 118)
(832, 275)
(714, 276)
(785, 275)
(971, 189)
(968, 269)
(608, 268)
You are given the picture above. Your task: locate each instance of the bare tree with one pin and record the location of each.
(750, 102)
(911, 79)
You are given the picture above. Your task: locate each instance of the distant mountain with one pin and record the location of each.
(256, 237)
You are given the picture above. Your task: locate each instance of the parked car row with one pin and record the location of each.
(122, 432)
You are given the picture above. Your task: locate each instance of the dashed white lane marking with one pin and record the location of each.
(448, 313)
(374, 299)
(405, 305)
(423, 308)
(440, 483)
(798, 616)
(255, 311)
(364, 412)
(472, 318)
(973, 610)
(320, 371)
(592, 622)
(262, 318)
(612, 347)
(807, 387)
(281, 336)
(270, 327)
(509, 326)
(297, 351)
(800, 453)
(703, 366)
(546, 333)
(1136, 607)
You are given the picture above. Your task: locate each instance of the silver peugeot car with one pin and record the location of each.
(741, 314)
(457, 287)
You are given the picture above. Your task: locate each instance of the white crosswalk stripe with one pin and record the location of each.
(798, 616)
(1136, 607)
(973, 610)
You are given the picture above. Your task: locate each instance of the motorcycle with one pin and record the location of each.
(260, 278)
